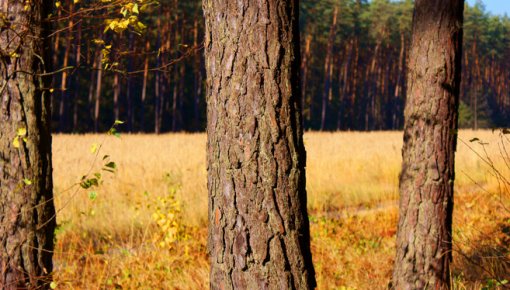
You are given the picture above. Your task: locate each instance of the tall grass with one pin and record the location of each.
(352, 184)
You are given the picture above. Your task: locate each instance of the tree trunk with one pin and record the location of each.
(27, 213)
(304, 78)
(76, 93)
(64, 92)
(97, 100)
(328, 69)
(144, 86)
(424, 240)
(116, 94)
(259, 230)
(197, 83)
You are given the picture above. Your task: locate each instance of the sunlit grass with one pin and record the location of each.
(352, 184)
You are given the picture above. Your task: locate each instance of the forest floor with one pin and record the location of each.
(145, 226)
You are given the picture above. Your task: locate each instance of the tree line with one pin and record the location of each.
(353, 64)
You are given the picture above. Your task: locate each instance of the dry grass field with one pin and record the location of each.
(147, 227)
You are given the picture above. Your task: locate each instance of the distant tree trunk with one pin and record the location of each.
(144, 86)
(116, 94)
(97, 100)
(157, 79)
(328, 69)
(175, 97)
(129, 95)
(64, 93)
(259, 230)
(197, 89)
(27, 213)
(424, 239)
(304, 77)
(76, 93)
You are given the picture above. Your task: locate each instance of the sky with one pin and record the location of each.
(496, 7)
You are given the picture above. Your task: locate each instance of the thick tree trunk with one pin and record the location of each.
(27, 214)
(426, 182)
(259, 230)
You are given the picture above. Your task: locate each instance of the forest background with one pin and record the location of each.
(353, 67)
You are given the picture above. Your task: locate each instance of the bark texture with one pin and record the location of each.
(259, 229)
(27, 214)
(427, 177)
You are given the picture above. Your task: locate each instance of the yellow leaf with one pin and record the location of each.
(15, 142)
(58, 4)
(53, 285)
(22, 131)
(93, 148)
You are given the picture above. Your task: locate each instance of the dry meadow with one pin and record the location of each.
(145, 226)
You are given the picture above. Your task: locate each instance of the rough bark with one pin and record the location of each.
(27, 214)
(259, 230)
(426, 182)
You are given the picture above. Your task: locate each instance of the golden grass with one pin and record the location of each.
(352, 183)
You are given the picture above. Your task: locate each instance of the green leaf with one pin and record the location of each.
(92, 195)
(118, 122)
(110, 167)
(27, 181)
(53, 285)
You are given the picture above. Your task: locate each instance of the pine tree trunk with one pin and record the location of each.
(97, 100)
(144, 86)
(304, 77)
(27, 213)
(259, 231)
(328, 69)
(64, 92)
(424, 240)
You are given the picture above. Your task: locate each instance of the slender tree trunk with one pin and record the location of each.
(76, 93)
(64, 93)
(424, 239)
(93, 75)
(157, 78)
(197, 88)
(116, 94)
(97, 100)
(259, 231)
(328, 69)
(129, 95)
(304, 77)
(144, 86)
(175, 95)
(27, 213)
